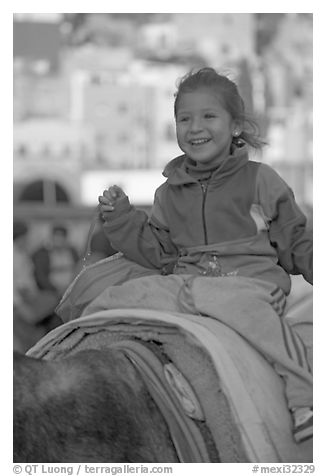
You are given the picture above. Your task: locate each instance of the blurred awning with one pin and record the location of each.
(138, 184)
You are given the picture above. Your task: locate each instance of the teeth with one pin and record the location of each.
(199, 141)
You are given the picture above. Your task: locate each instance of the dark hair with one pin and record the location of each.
(230, 98)
(59, 228)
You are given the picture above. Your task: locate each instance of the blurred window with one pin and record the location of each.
(225, 48)
(60, 193)
(46, 151)
(33, 192)
(96, 79)
(123, 138)
(122, 108)
(22, 150)
(45, 191)
(66, 150)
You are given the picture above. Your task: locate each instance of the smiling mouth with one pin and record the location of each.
(196, 142)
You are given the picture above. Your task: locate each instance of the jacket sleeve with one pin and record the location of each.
(141, 238)
(288, 229)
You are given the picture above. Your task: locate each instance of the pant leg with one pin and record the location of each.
(147, 292)
(254, 309)
(246, 305)
(93, 280)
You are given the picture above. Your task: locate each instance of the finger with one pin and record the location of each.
(107, 208)
(114, 191)
(117, 191)
(105, 201)
(105, 193)
(108, 194)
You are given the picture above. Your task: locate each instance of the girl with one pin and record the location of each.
(231, 220)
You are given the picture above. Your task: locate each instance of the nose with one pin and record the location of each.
(196, 124)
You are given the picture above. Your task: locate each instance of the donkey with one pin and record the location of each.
(91, 406)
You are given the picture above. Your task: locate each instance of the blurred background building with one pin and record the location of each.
(93, 102)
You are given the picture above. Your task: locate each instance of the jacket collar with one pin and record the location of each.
(181, 170)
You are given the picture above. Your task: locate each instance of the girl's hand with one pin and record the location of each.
(110, 198)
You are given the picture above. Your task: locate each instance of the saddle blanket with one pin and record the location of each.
(243, 415)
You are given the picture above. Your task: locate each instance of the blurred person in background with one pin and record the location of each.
(32, 308)
(55, 262)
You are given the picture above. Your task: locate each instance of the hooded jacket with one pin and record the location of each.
(239, 219)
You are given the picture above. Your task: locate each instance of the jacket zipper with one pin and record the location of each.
(204, 190)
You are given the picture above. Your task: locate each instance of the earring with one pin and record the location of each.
(236, 134)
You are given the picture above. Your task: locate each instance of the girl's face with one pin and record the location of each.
(204, 128)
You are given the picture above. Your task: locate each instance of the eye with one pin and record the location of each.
(183, 119)
(210, 115)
